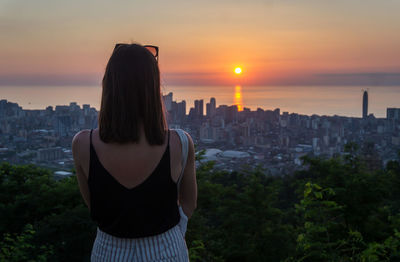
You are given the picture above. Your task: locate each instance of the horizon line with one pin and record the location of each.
(280, 111)
(351, 78)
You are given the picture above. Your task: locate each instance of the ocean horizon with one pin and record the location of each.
(307, 100)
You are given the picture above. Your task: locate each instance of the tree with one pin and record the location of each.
(54, 211)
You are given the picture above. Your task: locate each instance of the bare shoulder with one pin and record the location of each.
(191, 147)
(189, 139)
(80, 146)
(81, 139)
(80, 152)
(175, 138)
(177, 141)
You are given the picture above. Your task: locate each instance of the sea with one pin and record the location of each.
(307, 100)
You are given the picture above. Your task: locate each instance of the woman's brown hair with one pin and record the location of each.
(131, 97)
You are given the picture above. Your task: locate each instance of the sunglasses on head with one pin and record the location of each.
(152, 48)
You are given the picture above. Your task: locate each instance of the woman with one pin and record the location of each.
(128, 169)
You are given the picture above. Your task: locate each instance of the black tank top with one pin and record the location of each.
(148, 209)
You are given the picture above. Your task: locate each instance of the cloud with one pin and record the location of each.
(49, 80)
(368, 74)
(193, 78)
(361, 78)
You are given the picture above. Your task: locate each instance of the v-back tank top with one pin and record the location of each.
(147, 209)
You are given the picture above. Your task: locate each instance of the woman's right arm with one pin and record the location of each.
(80, 153)
(188, 187)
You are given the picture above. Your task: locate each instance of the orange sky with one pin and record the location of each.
(276, 42)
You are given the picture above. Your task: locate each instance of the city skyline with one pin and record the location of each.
(305, 100)
(274, 139)
(209, 110)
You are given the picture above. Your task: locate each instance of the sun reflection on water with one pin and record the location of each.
(238, 98)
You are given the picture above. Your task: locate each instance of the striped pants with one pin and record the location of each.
(169, 246)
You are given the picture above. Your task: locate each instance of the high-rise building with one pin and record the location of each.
(181, 110)
(198, 107)
(49, 110)
(168, 101)
(3, 104)
(73, 107)
(208, 109)
(393, 113)
(192, 113)
(231, 113)
(201, 109)
(86, 109)
(213, 106)
(365, 104)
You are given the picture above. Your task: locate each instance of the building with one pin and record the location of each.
(86, 109)
(231, 113)
(365, 105)
(49, 154)
(168, 101)
(393, 113)
(73, 107)
(198, 107)
(181, 110)
(211, 108)
(234, 154)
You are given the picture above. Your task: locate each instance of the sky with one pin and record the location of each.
(285, 42)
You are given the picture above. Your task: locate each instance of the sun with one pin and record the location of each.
(238, 70)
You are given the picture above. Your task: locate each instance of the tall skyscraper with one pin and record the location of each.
(208, 111)
(198, 107)
(213, 106)
(181, 110)
(168, 101)
(201, 107)
(365, 104)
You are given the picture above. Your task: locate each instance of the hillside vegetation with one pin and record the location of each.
(335, 209)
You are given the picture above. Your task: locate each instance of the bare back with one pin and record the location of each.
(131, 164)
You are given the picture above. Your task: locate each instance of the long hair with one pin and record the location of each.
(131, 97)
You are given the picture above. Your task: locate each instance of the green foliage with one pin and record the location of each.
(338, 209)
(347, 211)
(53, 210)
(321, 219)
(198, 253)
(20, 247)
(237, 217)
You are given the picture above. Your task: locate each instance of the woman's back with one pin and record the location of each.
(100, 155)
(131, 164)
(124, 210)
(131, 170)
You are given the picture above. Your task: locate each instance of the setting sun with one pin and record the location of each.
(238, 70)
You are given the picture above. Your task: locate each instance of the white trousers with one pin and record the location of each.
(168, 246)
